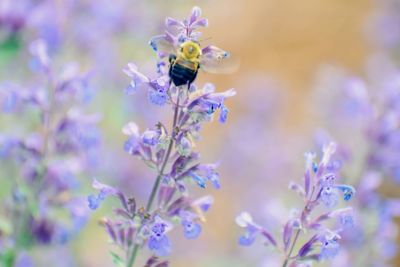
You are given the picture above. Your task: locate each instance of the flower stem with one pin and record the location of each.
(47, 114)
(291, 249)
(286, 262)
(156, 185)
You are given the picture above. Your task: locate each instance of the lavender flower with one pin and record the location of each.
(169, 151)
(376, 164)
(49, 156)
(319, 187)
(158, 240)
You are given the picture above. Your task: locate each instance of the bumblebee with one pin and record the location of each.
(185, 65)
(186, 59)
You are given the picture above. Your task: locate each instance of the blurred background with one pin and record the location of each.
(292, 54)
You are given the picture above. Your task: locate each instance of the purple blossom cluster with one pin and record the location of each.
(37, 18)
(384, 25)
(44, 207)
(170, 152)
(371, 113)
(321, 193)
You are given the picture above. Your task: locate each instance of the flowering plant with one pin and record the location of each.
(370, 107)
(170, 152)
(320, 188)
(43, 207)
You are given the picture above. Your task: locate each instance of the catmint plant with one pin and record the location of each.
(170, 152)
(313, 232)
(369, 109)
(43, 207)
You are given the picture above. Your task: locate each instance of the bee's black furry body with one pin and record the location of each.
(182, 72)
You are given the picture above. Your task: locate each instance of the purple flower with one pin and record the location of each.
(8, 101)
(203, 204)
(348, 191)
(252, 230)
(184, 146)
(151, 137)
(39, 51)
(249, 237)
(347, 220)
(137, 78)
(158, 241)
(208, 102)
(43, 230)
(157, 88)
(191, 230)
(330, 246)
(94, 201)
(24, 260)
(158, 97)
(223, 115)
(169, 150)
(329, 197)
(201, 181)
(160, 246)
(51, 153)
(132, 144)
(187, 27)
(319, 187)
(205, 172)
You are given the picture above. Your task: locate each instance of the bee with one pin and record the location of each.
(185, 65)
(186, 60)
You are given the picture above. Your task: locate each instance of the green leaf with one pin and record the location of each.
(9, 48)
(7, 258)
(116, 259)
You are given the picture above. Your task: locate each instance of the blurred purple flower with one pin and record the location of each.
(50, 156)
(318, 187)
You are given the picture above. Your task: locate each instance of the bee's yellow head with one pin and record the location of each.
(190, 50)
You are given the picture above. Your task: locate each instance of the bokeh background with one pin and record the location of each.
(283, 46)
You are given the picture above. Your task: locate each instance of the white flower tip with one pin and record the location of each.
(330, 148)
(231, 92)
(169, 21)
(208, 88)
(204, 200)
(310, 156)
(243, 219)
(132, 66)
(131, 129)
(130, 69)
(39, 49)
(95, 183)
(293, 186)
(196, 11)
(37, 46)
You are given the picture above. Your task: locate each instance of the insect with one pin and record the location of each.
(186, 59)
(185, 65)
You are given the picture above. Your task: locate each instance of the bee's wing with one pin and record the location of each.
(164, 45)
(217, 60)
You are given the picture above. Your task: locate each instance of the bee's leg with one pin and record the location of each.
(171, 58)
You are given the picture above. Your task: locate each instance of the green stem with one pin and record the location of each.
(292, 248)
(166, 158)
(132, 258)
(156, 185)
(286, 262)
